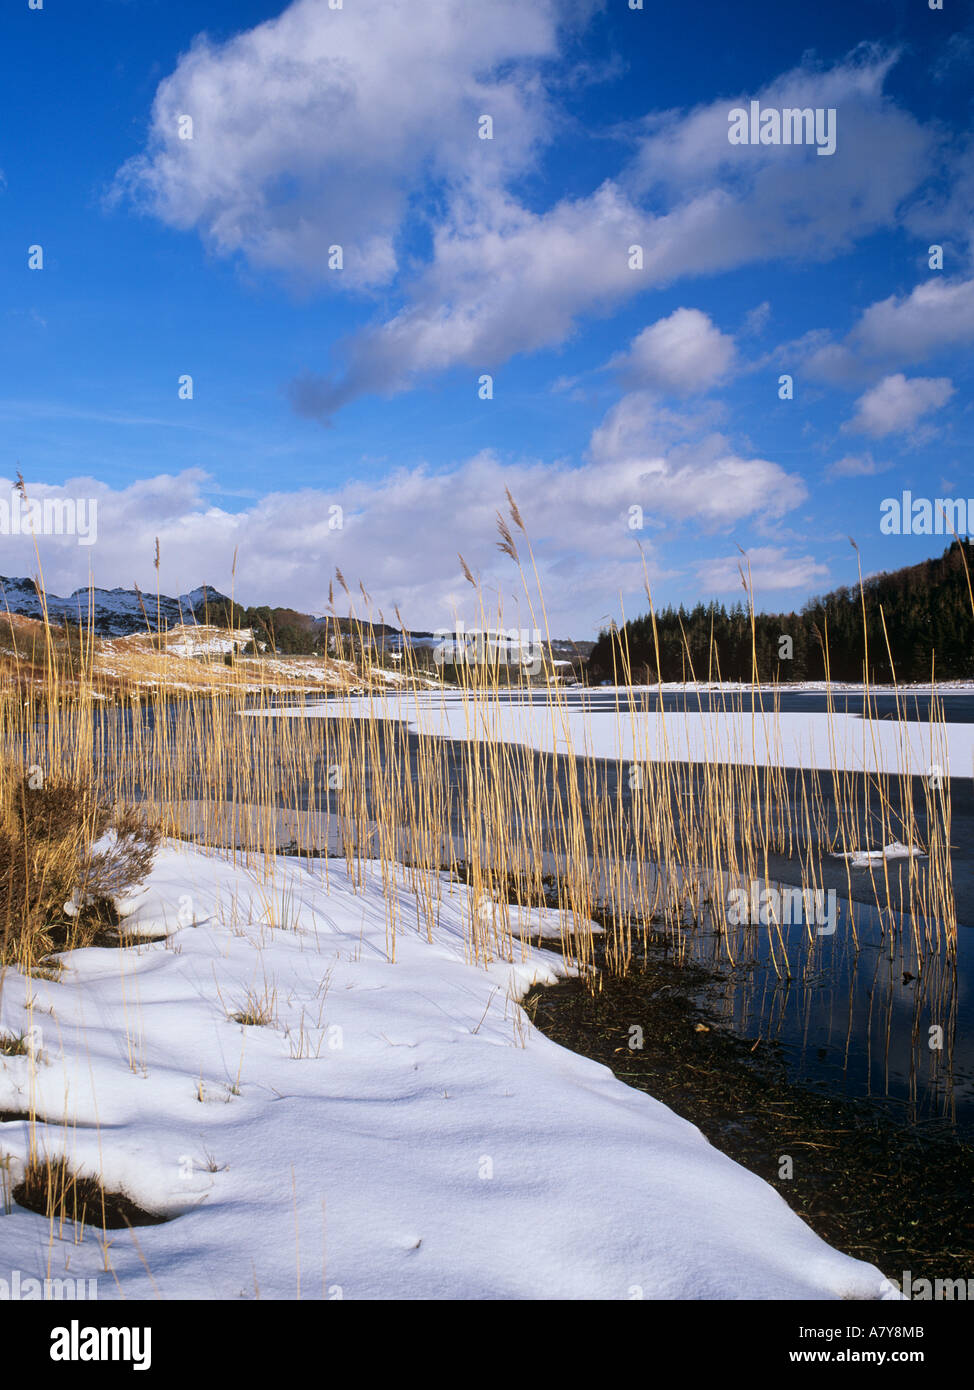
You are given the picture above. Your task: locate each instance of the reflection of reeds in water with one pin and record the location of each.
(883, 1014)
(655, 846)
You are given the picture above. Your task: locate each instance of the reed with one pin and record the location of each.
(136, 736)
(652, 845)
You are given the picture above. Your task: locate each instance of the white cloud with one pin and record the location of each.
(856, 466)
(775, 201)
(772, 568)
(358, 127)
(897, 402)
(687, 471)
(505, 280)
(757, 319)
(684, 353)
(402, 532)
(316, 127)
(943, 215)
(938, 314)
(824, 360)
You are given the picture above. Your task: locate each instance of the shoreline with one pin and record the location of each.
(910, 1217)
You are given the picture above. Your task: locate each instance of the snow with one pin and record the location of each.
(208, 641)
(957, 687)
(116, 612)
(400, 1130)
(820, 740)
(862, 858)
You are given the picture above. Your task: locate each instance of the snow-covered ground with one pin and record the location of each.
(398, 1130)
(808, 739)
(953, 687)
(209, 641)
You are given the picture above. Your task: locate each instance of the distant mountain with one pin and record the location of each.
(119, 612)
(115, 612)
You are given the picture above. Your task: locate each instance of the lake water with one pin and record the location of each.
(857, 1018)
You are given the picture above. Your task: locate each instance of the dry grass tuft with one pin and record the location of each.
(58, 877)
(51, 1189)
(257, 1010)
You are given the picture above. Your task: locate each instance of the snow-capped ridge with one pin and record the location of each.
(113, 612)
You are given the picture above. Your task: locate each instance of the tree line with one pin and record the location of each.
(925, 609)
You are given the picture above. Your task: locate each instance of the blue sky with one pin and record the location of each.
(613, 388)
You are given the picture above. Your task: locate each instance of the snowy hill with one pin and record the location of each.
(115, 612)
